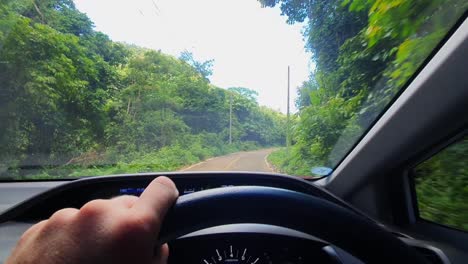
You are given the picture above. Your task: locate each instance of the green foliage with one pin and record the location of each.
(204, 68)
(278, 159)
(358, 73)
(193, 149)
(442, 186)
(285, 162)
(329, 25)
(75, 103)
(365, 51)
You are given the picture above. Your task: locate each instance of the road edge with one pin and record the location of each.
(271, 166)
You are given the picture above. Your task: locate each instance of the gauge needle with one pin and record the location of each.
(231, 255)
(243, 254)
(255, 261)
(219, 256)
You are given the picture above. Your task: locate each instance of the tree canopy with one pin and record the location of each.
(205, 68)
(365, 52)
(73, 99)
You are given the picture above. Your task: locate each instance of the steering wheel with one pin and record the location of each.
(351, 232)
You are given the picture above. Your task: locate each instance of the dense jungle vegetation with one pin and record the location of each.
(75, 103)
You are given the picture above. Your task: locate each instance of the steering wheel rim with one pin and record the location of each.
(265, 205)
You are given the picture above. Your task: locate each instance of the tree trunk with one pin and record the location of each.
(39, 12)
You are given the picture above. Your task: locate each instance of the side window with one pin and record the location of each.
(442, 186)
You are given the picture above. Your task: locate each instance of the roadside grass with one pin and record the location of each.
(277, 159)
(284, 162)
(171, 158)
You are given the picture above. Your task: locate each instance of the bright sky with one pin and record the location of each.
(252, 46)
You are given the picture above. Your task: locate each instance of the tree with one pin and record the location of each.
(246, 93)
(205, 68)
(365, 52)
(71, 97)
(329, 25)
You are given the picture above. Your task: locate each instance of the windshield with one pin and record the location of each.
(105, 87)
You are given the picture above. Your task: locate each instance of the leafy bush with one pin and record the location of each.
(75, 103)
(365, 52)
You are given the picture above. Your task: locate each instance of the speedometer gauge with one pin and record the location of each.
(247, 248)
(234, 255)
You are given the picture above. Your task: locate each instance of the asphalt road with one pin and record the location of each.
(240, 161)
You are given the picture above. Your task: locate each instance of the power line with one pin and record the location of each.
(156, 8)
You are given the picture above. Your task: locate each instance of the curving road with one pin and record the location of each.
(239, 161)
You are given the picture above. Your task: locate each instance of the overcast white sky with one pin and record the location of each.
(252, 46)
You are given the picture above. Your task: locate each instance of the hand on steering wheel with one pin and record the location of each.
(120, 230)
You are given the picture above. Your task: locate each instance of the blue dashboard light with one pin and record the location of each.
(132, 191)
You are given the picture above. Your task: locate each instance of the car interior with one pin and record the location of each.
(366, 211)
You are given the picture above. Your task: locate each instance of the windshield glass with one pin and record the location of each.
(110, 87)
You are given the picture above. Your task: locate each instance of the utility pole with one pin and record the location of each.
(288, 136)
(230, 118)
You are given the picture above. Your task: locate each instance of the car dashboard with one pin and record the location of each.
(252, 243)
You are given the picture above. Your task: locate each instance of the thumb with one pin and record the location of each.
(162, 255)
